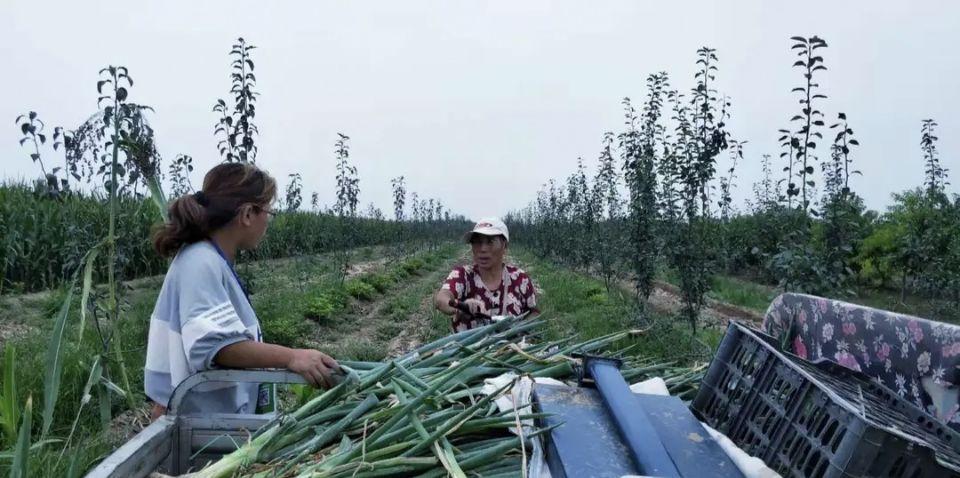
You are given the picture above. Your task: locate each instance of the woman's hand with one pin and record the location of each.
(315, 366)
(476, 307)
(156, 411)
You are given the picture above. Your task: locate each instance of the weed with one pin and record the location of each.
(359, 289)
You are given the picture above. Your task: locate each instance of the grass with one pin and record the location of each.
(756, 297)
(731, 290)
(577, 304)
(742, 293)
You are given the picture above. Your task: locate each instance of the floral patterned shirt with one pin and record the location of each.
(515, 286)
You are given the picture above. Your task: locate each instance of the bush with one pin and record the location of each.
(380, 282)
(411, 266)
(359, 289)
(285, 329)
(325, 304)
(361, 349)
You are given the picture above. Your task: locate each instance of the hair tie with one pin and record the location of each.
(201, 198)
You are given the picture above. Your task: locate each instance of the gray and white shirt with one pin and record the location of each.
(201, 309)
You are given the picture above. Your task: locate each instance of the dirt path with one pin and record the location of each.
(381, 325)
(417, 324)
(666, 299)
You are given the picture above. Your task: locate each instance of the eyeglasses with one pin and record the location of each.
(270, 212)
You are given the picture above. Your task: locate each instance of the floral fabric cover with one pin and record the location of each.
(916, 358)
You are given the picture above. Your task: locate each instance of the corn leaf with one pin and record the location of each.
(156, 193)
(96, 370)
(9, 409)
(21, 453)
(51, 381)
(85, 293)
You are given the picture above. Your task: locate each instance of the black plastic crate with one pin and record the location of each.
(818, 420)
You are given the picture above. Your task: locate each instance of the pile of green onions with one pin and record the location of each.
(424, 414)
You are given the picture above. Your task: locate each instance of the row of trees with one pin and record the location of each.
(658, 199)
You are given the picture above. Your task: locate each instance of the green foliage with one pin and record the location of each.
(235, 127)
(9, 400)
(935, 174)
(21, 452)
(293, 197)
(32, 129)
(288, 330)
(361, 349)
(325, 304)
(380, 282)
(878, 252)
(359, 289)
(43, 240)
(810, 118)
(639, 154)
(411, 266)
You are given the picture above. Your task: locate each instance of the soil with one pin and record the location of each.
(414, 327)
(365, 267)
(124, 426)
(366, 318)
(665, 299)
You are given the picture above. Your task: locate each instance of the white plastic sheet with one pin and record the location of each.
(518, 398)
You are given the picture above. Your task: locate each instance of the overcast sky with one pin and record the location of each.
(480, 103)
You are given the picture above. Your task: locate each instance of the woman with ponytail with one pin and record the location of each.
(203, 318)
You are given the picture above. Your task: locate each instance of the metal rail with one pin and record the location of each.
(173, 440)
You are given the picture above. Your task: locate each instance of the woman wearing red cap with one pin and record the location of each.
(488, 287)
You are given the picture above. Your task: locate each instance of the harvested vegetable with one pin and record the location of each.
(424, 414)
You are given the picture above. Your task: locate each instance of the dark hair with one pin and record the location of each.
(226, 188)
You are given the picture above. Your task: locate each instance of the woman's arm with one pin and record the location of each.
(315, 366)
